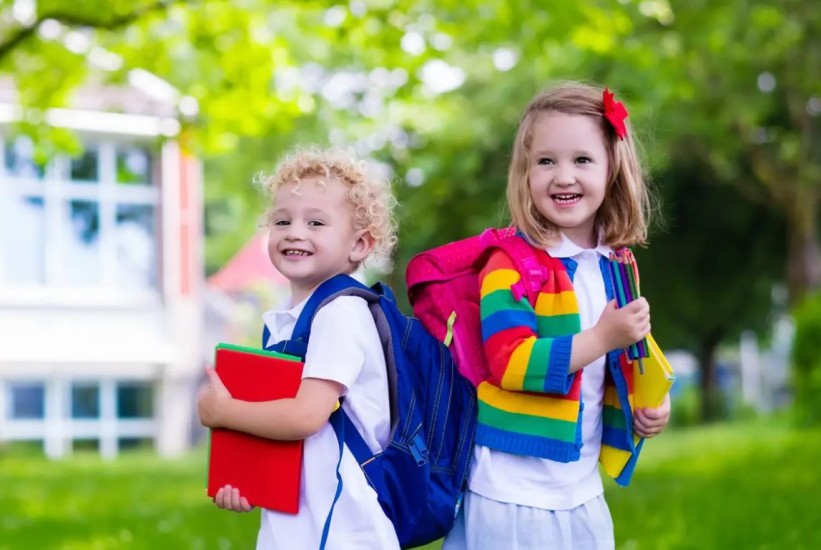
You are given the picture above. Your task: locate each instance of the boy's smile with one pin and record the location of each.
(312, 235)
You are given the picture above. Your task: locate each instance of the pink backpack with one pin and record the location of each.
(443, 288)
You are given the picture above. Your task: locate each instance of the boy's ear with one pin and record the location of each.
(362, 246)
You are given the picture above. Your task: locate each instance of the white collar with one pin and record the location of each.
(278, 317)
(568, 249)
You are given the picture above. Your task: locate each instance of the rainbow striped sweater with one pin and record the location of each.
(529, 404)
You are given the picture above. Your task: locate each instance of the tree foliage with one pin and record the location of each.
(726, 97)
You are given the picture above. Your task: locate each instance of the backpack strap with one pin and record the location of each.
(338, 420)
(346, 432)
(534, 273)
(298, 343)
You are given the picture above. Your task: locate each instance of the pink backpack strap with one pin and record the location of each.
(534, 273)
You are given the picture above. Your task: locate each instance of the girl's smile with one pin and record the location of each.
(568, 177)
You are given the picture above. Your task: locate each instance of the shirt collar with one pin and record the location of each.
(568, 249)
(279, 317)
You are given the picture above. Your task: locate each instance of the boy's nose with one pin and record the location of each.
(294, 233)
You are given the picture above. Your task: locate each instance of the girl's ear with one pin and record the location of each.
(362, 246)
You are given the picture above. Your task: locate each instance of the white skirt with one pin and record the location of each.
(486, 524)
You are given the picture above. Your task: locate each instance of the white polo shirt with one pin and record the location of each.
(542, 483)
(344, 347)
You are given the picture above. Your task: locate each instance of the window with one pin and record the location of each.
(20, 160)
(89, 221)
(26, 400)
(135, 400)
(85, 400)
(85, 168)
(23, 260)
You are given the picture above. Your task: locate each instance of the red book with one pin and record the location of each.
(266, 472)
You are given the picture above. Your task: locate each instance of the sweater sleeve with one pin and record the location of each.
(518, 359)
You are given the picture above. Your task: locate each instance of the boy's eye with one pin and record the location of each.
(282, 222)
(316, 223)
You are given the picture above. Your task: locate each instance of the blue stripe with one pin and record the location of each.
(558, 379)
(527, 445)
(616, 438)
(503, 320)
(627, 473)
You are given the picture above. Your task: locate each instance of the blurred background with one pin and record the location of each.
(130, 237)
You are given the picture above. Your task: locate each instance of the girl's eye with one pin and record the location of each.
(544, 161)
(584, 160)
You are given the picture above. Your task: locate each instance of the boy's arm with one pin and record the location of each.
(340, 334)
(284, 419)
(521, 361)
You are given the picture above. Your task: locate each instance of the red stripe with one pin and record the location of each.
(185, 229)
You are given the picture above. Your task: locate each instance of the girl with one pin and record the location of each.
(328, 215)
(556, 385)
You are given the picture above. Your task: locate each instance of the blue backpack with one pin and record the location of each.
(421, 474)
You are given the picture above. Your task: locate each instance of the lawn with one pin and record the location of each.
(728, 486)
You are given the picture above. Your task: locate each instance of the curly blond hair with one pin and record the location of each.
(624, 216)
(371, 197)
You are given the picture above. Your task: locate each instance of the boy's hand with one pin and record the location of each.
(211, 400)
(228, 498)
(620, 327)
(650, 422)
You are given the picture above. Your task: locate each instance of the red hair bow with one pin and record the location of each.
(615, 112)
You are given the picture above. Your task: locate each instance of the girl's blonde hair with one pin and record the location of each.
(371, 197)
(624, 216)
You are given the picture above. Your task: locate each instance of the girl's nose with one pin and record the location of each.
(564, 175)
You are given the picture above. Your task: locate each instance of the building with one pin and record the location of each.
(100, 277)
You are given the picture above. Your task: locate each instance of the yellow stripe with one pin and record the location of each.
(613, 460)
(514, 376)
(529, 404)
(499, 279)
(561, 303)
(611, 397)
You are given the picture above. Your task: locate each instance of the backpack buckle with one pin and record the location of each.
(419, 450)
(537, 278)
(518, 290)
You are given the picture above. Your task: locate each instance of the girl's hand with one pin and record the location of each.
(650, 422)
(622, 327)
(228, 498)
(211, 400)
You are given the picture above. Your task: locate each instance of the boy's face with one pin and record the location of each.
(312, 236)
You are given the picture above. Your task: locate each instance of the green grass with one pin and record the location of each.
(729, 486)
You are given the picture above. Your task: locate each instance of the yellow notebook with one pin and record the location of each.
(649, 389)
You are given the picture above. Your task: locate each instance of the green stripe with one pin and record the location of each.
(257, 351)
(537, 366)
(538, 426)
(558, 325)
(500, 300)
(613, 417)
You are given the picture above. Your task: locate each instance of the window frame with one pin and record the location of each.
(57, 190)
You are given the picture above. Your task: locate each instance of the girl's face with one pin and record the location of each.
(569, 170)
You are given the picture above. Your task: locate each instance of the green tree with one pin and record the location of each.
(753, 99)
(435, 88)
(710, 274)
